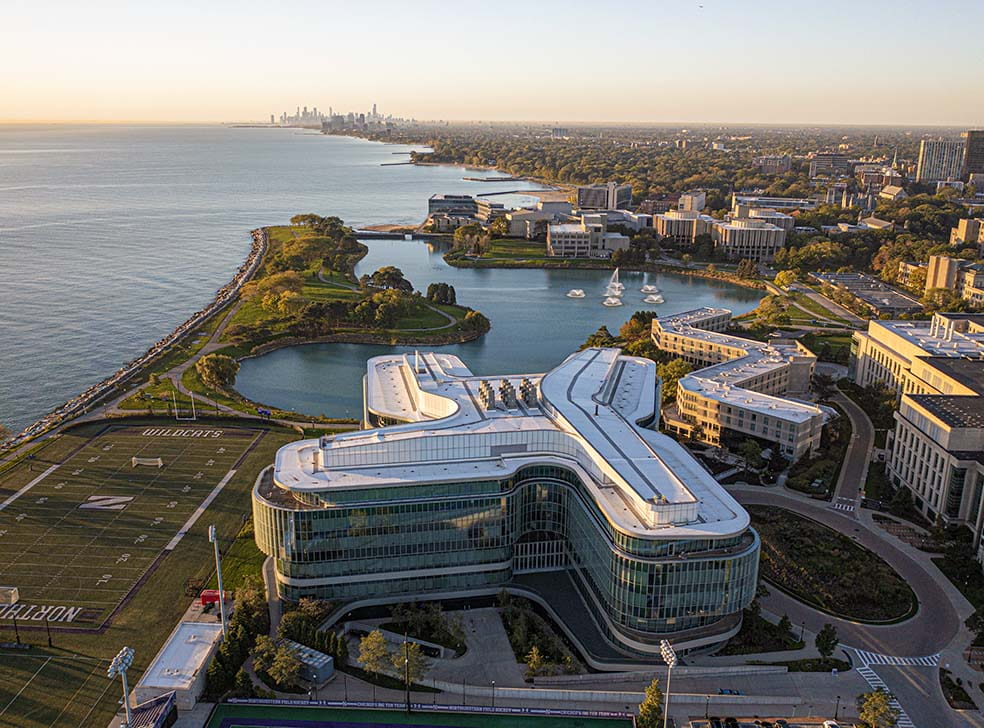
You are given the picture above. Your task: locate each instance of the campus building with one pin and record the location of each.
(587, 239)
(682, 225)
(940, 159)
(752, 238)
(610, 196)
(773, 163)
(830, 164)
(551, 485)
(937, 447)
(744, 389)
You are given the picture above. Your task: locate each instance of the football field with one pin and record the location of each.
(81, 530)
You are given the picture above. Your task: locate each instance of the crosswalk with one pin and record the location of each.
(848, 505)
(877, 683)
(873, 658)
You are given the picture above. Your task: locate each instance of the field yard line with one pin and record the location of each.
(74, 695)
(24, 687)
(30, 485)
(173, 544)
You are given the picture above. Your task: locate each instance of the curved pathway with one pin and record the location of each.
(932, 628)
(854, 471)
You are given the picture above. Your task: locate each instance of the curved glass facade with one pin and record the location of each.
(453, 537)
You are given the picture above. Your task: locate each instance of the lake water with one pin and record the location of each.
(110, 236)
(534, 325)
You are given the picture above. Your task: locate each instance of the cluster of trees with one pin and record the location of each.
(301, 625)
(875, 710)
(217, 370)
(389, 277)
(407, 661)
(249, 621)
(276, 665)
(382, 309)
(442, 293)
(533, 640)
(320, 241)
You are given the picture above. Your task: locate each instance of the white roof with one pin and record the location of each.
(584, 416)
(723, 382)
(183, 656)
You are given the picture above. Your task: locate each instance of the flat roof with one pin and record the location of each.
(722, 382)
(583, 415)
(934, 341)
(960, 410)
(183, 656)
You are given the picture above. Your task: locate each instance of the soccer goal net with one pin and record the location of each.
(156, 462)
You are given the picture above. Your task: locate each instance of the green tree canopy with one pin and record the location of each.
(651, 707)
(826, 641)
(373, 652)
(672, 372)
(409, 662)
(875, 710)
(217, 370)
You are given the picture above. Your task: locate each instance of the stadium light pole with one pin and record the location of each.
(118, 666)
(406, 669)
(218, 570)
(670, 658)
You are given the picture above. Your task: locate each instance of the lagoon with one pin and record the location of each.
(534, 324)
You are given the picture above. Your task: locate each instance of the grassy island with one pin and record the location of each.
(305, 290)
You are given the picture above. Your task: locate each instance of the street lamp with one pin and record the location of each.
(118, 666)
(670, 658)
(837, 709)
(218, 570)
(493, 693)
(406, 669)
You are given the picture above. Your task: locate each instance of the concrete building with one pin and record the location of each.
(773, 163)
(660, 203)
(876, 176)
(937, 447)
(752, 238)
(486, 210)
(968, 231)
(779, 219)
(964, 277)
(974, 154)
(774, 203)
(693, 201)
(892, 193)
(588, 239)
(682, 225)
(940, 159)
(181, 664)
(876, 295)
(876, 223)
(551, 485)
(445, 222)
(830, 164)
(745, 388)
(942, 272)
(906, 275)
(610, 196)
(452, 204)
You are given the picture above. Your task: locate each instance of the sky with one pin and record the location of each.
(899, 62)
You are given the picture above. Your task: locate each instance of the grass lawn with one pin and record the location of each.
(227, 716)
(423, 317)
(240, 560)
(825, 468)
(829, 347)
(123, 568)
(760, 635)
(828, 570)
(503, 248)
(815, 664)
(807, 303)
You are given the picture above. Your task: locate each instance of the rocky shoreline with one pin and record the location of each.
(223, 297)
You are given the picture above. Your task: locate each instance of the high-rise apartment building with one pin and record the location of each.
(940, 160)
(974, 153)
(830, 164)
(773, 163)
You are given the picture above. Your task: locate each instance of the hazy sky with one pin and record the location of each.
(772, 61)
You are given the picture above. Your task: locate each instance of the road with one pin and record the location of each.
(850, 483)
(835, 308)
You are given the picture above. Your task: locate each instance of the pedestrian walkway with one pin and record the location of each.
(845, 504)
(871, 677)
(874, 658)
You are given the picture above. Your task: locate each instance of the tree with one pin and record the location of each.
(264, 653)
(670, 373)
(651, 707)
(785, 278)
(746, 268)
(373, 652)
(243, 685)
(824, 385)
(751, 453)
(499, 227)
(409, 662)
(217, 370)
(875, 710)
(286, 668)
(785, 625)
(826, 641)
(901, 504)
(601, 337)
(534, 661)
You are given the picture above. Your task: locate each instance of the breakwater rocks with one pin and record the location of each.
(223, 297)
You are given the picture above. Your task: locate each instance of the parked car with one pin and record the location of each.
(830, 724)
(728, 691)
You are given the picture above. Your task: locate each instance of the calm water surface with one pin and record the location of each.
(534, 325)
(112, 235)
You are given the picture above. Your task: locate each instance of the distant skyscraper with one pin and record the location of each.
(974, 156)
(940, 159)
(374, 114)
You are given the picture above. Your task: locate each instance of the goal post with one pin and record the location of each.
(155, 462)
(191, 416)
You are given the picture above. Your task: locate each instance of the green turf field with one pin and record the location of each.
(82, 531)
(56, 548)
(261, 716)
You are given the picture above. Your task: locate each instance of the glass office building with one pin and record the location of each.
(482, 482)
